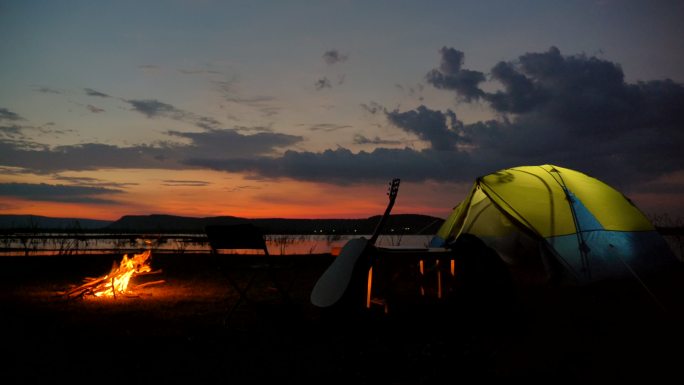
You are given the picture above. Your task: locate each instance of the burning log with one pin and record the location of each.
(146, 284)
(117, 281)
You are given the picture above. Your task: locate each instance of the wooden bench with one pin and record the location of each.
(235, 237)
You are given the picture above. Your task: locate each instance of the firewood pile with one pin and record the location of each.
(118, 282)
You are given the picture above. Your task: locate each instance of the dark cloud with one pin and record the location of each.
(460, 152)
(574, 111)
(184, 183)
(521, 95)
(412, 91)
(223, 144)
(47, 90)
(92, 92)
(57, 193)
(578, 111)
(264, 104)
(252, 129)
(622, 160)
(50, 129)
(373, 107)
(8, 115)
(226, 87)
(334, 56)
(229, 143)
(90, 156)
(325, 82)
(91, 182)
(93, 109)
(327, 127)
(153, 108)
(360, 139)
(251, 101)
(11, 132)
(341, 166)
(576, 89)
(204, 122)
(450, 75)
(441, 129)
(322, 83)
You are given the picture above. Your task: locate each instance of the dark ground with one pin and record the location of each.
(178, 331)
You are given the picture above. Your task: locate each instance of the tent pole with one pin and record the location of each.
(583, 248)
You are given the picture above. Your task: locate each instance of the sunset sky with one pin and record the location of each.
(307, 109)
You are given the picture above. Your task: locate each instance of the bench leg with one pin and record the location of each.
(242, 294)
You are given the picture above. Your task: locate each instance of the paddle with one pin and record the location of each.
(336, 281)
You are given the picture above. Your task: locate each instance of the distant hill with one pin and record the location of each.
(37, 222)
(398, 224)
(158, 223)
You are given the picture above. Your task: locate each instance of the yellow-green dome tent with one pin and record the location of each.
(576, 223)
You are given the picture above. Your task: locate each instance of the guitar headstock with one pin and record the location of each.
(393, 188)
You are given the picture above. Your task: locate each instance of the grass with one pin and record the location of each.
(178, 331)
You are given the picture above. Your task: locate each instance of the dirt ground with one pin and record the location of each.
(186, 330)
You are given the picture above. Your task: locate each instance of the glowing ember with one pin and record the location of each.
(117, 281)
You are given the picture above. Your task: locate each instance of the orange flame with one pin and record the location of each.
(116, 282)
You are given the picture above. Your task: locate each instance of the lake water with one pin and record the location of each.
(70, 244)
(61, 244)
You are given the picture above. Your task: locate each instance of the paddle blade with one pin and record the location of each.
(334, 282)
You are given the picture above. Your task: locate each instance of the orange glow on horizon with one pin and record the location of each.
(240, 197)
(112, 213)
(360, 206)
(61, 210)
(201, 193)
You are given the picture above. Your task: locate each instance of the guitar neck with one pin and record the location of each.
(380, 225)
(394, 187)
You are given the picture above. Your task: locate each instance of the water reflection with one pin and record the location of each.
(70, 244)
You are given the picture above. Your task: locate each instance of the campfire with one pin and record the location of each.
(117, 282)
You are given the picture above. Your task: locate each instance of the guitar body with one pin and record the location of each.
(332, 285)
(345, 280)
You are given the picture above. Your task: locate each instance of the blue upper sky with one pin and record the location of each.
(108, 103)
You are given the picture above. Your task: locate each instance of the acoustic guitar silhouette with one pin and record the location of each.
(350, 268)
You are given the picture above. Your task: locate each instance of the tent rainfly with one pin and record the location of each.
(581, 228)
